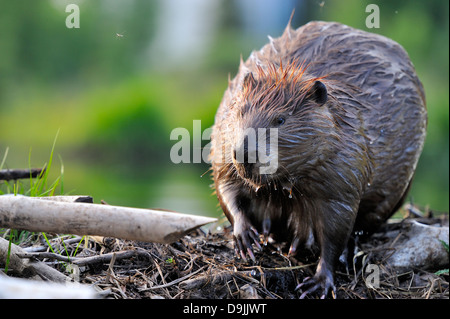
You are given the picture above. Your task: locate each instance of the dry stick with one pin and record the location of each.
(110, 270)
(21, 212)
(27, 267)
(36, 249)
(195, 283)
(105, 258)
(84, 261)
(12, 174)
(47, 255)
(161, 275)
(174, 282)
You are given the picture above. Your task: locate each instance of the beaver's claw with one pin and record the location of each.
(243, 239)
(318, 285)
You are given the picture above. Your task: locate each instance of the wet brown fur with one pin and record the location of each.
(345, 165)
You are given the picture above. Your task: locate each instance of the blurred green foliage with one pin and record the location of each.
(115, 101)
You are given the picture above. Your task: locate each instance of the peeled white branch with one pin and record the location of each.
(33, 214)
(17, 288)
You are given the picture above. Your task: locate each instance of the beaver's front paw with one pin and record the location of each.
(322, 284)
(244, 234)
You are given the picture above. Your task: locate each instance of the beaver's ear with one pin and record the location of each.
(318, 93)
(249, 80)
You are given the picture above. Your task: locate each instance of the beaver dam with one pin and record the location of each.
(202, 264)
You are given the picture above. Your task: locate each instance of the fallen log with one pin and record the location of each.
(69, 199)
(34, 214)
(12, 174)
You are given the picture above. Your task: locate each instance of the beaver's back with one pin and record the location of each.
(382, 98)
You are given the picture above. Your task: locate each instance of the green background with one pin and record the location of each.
(117, 86)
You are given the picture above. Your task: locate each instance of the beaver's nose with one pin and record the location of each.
(246, 154)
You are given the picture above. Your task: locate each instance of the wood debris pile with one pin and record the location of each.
(202, 265)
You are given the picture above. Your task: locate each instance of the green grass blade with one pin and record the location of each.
(4, 158)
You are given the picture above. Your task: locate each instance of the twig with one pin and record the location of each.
(110, 270)
(84, 261)
(175, 281)
(45, 254)
(106, 258)
(286, 268)
(34, 249)
(162, 277)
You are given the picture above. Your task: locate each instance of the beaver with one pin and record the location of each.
(350, 116)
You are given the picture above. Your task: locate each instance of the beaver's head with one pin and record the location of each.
(278, 118)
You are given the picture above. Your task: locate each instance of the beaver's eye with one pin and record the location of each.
(280, 120)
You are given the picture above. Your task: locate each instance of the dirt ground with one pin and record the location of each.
(203, 265)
